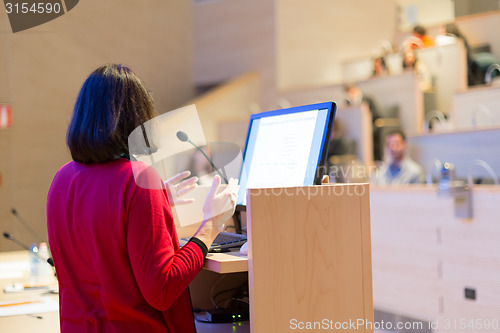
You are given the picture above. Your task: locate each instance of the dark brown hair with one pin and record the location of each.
(418, 29)
(396, 132)
(113, 102)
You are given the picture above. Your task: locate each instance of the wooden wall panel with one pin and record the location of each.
(5, 134)
(315, 95)
(47, 65)
(233, 101)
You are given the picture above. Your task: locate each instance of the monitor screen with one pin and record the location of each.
(285, 148)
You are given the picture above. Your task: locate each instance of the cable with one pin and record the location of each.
(212, 299)
(216, 303)
(213, 295)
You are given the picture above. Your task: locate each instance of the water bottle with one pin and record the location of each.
(44, 270)
(446, 177)
(34, 266)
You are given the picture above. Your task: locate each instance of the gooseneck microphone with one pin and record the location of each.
(26, 247)
(182, 136)
(26, 225)
(9, 237)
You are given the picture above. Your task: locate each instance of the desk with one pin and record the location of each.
(23, 323)
(222, 263)
(424, 257)
(227, 262)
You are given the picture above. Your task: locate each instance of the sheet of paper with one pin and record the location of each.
(13, 269)
(29, 306)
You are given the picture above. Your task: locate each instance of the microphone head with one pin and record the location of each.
(182, 136)
(6, 235)
(13, 211)
(50, 261)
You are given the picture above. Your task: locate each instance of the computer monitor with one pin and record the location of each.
(286, 148)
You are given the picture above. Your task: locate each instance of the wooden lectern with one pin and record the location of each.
(310, 259)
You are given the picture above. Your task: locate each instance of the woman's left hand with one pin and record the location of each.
(177, 187)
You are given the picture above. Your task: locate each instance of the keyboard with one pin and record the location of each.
(225, 241)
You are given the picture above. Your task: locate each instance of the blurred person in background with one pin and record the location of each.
(449, 34)
(379, 67)
(411, 63)
(419, 39)
(354, 97)
(398, 168)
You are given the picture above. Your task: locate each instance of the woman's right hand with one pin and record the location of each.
(217, 209)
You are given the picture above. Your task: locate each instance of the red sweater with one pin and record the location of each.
(116, 252)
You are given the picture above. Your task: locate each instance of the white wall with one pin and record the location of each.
(425, 12)
(315, 37)
(233, 37)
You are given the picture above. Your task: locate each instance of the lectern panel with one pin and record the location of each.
(310, 258)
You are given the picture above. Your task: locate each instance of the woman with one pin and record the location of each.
(411, 62)
(114, 244)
